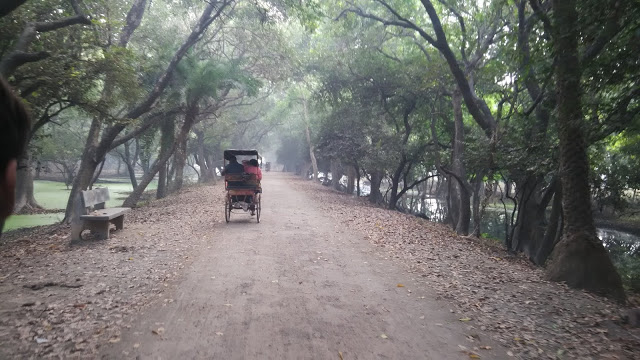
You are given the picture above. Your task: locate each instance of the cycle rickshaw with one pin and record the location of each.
(243, 190)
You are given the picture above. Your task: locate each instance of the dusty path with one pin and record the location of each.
(296, 286)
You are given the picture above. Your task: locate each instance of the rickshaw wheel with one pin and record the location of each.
(227, 209)
(258, 207)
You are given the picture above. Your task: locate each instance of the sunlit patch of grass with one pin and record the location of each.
(24, 221)
(54, 195)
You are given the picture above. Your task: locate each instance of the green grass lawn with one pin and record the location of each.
(54, 195)
(24, 221)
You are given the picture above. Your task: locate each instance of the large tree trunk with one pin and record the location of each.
(530, 218)
(460, 187)
(336, 174)
(180, 156)
(208, 158)
(179, 162)
(25, 200)
(351, 180)
(166, 143)
(88, 165)
(375, 197)
(579, 259)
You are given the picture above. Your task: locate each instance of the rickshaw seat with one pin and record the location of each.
(242, 182)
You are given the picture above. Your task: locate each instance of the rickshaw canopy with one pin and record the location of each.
(240, 152)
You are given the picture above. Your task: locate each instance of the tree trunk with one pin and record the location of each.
(336, 174)
(460, 187)
(477, 212)
(205, 170)
(530, 218)
(144, 155)
(97, 174)
(134, 197)
(167, 128)
(210, 166)
(395, 183)
(579, 259)
(25, 201)
(357, 170)
(553, 231)
(180, 155)
(179, 162)
(375, 197)
(312, 155)
(131, 163)
(161, 162)
(161, 191)
(351, 182)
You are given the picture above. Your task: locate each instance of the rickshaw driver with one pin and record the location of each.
(233, 167)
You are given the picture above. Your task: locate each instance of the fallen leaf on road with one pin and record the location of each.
(340, 354)
(485, 347)
(400, 285)
(465, 319)
(384, 336)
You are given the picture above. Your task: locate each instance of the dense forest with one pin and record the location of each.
(529, 104)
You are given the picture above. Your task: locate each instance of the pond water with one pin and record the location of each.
(617, 242)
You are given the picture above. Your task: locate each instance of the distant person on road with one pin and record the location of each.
(14, 128)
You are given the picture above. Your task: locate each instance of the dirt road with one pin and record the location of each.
(294, 286)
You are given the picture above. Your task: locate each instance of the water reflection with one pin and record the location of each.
(618, 243)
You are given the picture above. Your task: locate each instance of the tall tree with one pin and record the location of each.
(580, 259)
(99, 145)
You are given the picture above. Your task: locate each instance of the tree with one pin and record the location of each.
(580, 259)
(98, 145)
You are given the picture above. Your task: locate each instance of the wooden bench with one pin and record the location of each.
(91, 214)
